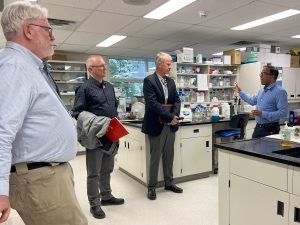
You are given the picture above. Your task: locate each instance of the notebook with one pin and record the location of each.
(115, 130)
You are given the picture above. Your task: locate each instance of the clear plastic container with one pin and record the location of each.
(286, 137)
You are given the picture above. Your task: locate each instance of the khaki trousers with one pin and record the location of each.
(45, 196)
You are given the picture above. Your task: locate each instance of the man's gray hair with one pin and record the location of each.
(15, 14)
(160, 58)
(90, 60)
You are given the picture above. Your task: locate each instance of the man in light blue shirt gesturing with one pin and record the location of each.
(271, 103)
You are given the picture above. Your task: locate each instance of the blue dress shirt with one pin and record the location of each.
(271, 100)
(34, 124)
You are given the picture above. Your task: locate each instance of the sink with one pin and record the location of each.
(289, 152)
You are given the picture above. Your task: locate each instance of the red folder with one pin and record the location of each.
(115, 130)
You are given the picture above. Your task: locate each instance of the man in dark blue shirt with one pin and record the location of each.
(98, 97)
(271, 103)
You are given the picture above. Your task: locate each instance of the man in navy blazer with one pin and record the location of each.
(162, 108)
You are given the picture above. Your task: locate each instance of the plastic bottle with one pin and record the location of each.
(215, 113)
(208, 112)
(286, 137)
(225, 110)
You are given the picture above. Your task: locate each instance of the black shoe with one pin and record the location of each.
(151, 193)
(97, 212)
(174, 188)
(113, 201)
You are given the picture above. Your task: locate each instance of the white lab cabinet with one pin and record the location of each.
(196, 149)
(257, 191)
(291, 82)
(192, 153)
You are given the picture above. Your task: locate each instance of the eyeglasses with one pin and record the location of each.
(262, 73)
(48, 29)
(100, 66)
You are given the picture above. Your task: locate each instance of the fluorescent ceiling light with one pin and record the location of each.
(167, 9)
(268, 19)
(296, 36)
(219, 53)
(113, 39)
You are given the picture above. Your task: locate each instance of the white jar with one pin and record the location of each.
(215, 113)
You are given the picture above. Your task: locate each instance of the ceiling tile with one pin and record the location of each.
(213, 8)
(194, 33)
(161, 45)
(61, 35)
(73, 48)
(133, 42)
(287, 3)
(161, 29)
(92, 4)
(106, 51)
(254, 10)
(84, 38)
(66, 13)
(136, 26)
(105, 23)
(119, 7)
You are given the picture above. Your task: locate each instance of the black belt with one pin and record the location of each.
(32, 166)
(267, 125)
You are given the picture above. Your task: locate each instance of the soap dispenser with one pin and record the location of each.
(285, 136)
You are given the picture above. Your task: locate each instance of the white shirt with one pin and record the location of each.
(34, 125)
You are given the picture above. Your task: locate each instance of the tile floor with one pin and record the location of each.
(198, 205)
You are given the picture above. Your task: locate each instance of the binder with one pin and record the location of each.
(115, 130)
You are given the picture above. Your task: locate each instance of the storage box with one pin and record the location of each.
(235, 56)
(217, 60)
(60, 57)
(266, 50)
(263, 46)
(187, 55)
(294, 61)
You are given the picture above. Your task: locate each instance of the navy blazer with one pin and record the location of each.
(154, 111)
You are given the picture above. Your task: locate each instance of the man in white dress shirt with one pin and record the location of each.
(37, 134)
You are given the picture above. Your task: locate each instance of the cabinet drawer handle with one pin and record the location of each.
(292, 96)
(196, 130)
(298, 95)
(207, 144)
(296, 215)
(125, 143)
(128, 145)
(280, 208)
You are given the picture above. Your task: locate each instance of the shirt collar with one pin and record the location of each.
(161, 79)
(270, 86)
(24, 51)
(99, 84)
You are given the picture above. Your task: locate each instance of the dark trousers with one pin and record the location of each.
(262, 130)
(162, 145)
(99, 166)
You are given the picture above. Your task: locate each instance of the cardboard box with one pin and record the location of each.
(60, 57)
(294, 61)
(235, 56)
